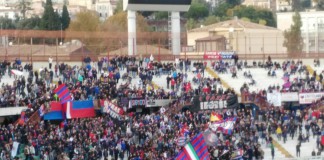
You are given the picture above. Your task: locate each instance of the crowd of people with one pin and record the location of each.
(134, 135)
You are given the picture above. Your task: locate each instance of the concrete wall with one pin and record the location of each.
(259, 42)
(192, 36)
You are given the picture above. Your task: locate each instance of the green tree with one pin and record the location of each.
(161, 15)
(306, 4)
(197, 11)
(191, 24)
(246, 19)
(233, 2)
(319, 4)
(254, 14)
(211, 20)
(65, 19)
(50, 19)
(6, 23)
(29, 23)
(293, 39)
(221, 10)
(119, 7)
(23, 6)
(87, 22)
(262, 21)
(118, 23)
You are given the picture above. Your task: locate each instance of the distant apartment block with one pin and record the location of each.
(312, 28)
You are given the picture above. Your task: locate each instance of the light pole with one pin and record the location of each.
(61, 34)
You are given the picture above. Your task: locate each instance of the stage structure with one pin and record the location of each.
(173, 6)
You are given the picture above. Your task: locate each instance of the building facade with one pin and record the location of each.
(9, 12)
(283, 5)
(312, 29)
(105, 8)
(241, 36)
(258, 3)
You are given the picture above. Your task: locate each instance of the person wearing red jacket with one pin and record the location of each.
(173, 83)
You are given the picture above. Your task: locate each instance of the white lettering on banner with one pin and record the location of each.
(137, 102)
(308, 98)
(213, 105)
(289, 97)
(111, 109)
(219, 55)
(158, 102)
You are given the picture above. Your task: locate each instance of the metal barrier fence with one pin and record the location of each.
(159, 57)
(300, 158)
(37, 45)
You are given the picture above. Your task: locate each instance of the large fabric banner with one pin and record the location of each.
(133, 103)
(308, 98)
(226, 126)
(112, 109)
(213, 105)
(289, 97)
(274, 98)
(14, 149)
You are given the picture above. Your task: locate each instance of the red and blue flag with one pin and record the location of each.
(79, 109)
(55, 113)
(63, 93)
(196, 149)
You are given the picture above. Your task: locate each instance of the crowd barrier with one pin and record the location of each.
(160, 56)
(302, 158)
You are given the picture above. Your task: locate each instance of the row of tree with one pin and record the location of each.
(50, 20)
(302, 5)
(226, 11)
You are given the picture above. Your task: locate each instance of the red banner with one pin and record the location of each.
(111, 108)
(212, 56)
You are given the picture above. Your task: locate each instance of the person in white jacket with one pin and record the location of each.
(50, 61)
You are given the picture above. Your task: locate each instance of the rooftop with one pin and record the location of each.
(235, 23)
(211, 38)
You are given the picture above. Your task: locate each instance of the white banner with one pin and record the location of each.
(158, 102)
(14, 149)
(289, 97)
(227, 124)
(9, 111)
(274, 98)
(112, 109)
(213, 105)
(308, 98)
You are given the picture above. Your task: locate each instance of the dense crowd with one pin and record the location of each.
(135, 135)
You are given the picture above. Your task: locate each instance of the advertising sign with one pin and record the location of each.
(218, 55)
(308, 98)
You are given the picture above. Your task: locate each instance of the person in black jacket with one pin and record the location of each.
(116, 153)
(105, 154)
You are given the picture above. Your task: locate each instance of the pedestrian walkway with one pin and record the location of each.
(281, 149)
(215, 75)
(311, 72)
